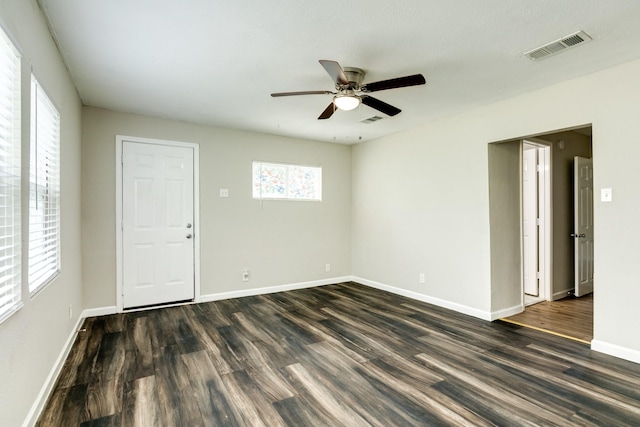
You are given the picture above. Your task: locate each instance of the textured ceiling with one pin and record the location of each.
(216, 62)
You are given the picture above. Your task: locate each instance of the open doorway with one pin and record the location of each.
(547, 233)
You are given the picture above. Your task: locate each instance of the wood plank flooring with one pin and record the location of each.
(338, 355)
(570, 317)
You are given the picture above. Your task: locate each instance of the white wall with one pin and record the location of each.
(280, 242)
(505, 219)
(420, 198)
(32, 339)
(420, 205)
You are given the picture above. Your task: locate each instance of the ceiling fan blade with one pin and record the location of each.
(414, 80)
(328, 112)
(307, 92)
(375, 103)
(335, 71)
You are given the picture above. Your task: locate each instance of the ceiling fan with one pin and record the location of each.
(351, 92)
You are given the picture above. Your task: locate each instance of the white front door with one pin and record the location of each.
(583, 225)
(157, 224)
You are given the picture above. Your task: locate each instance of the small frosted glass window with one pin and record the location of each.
(279, 181)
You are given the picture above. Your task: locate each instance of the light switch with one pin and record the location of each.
(606, 195)
(224, 192)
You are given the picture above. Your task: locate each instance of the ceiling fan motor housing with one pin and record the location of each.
(355, 76)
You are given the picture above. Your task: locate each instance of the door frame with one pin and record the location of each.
(545, 258)
(120, 139)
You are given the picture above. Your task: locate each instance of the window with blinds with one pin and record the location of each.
(10, 146)
(44, 190)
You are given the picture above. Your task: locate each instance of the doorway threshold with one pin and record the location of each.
(547, 331)
(569, 317)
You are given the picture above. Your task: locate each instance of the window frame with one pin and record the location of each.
(48, 188)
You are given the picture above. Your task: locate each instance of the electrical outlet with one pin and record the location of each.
(327, 268)
(70, 311)
(422, 278)
(245, 276)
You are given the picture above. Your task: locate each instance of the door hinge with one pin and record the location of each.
(538, 275)
(539, 168)
(538, 221)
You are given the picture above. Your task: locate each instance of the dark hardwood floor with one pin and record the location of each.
(339, 355)
(569, 317)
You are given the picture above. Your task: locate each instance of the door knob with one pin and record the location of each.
(189, 225)
(578, 235)
(189, 236)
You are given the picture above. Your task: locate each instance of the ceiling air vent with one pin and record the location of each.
(371, 119)
(558, 46)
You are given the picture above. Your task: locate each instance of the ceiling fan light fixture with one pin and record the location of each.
(351, 92)
(347, 101)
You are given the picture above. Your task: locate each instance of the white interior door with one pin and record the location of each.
(583, 225)
(529, 220)
(157, 224)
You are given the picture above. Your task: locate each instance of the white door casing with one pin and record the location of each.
(157, 257)
(536, 221)
(529, 220)
(583, 225)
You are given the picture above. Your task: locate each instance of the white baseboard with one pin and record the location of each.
(272, 289)
(99, 311)
(616, 351)
(47, 387)
(460, 308)
(561, 294)
(506, 312)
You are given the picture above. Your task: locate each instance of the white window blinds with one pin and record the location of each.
(10, 299)
(44, 190)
